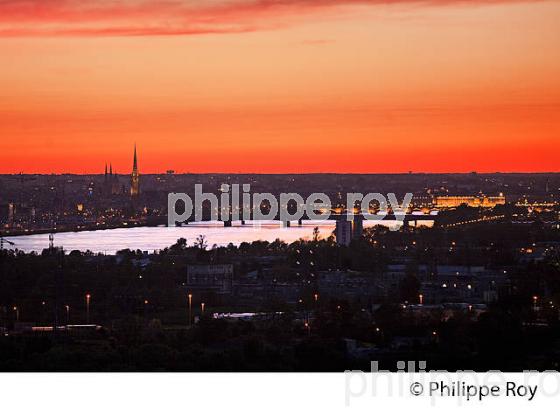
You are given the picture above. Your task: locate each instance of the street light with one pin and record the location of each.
(67, 307)
(17, 313)
(190, 309)
(535, 300)
(202, 308)
(421, 298)
(88, 297)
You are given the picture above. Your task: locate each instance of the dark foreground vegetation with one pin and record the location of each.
(139, 305)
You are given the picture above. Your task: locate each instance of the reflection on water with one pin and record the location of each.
(155, 238)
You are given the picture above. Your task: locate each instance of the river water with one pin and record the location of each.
(109, 241)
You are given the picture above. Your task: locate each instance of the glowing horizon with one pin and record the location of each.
(280, 86)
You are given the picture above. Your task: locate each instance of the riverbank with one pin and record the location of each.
(81, 228)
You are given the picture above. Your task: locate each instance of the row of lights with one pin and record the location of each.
(66, 307)
(484, 218)
(202, 307)
(146, 302)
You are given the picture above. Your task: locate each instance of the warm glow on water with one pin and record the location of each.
(154, 238)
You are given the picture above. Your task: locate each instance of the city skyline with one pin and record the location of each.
(256, 86)
(279, 186)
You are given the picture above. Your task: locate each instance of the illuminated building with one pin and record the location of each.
(11, 213)
(135, 177)
(111, 185)
(472, 201)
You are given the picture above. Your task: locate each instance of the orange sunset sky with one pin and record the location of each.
(280, 85)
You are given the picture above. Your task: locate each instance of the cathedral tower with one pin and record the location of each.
(135, 177)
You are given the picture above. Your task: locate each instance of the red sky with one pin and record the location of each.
(280, 85)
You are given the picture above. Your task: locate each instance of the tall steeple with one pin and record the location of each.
(135, 177)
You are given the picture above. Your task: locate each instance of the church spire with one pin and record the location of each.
(135, 177)
(135, 164)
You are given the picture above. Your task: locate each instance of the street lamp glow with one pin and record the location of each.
(190, 308)
(88, 298)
